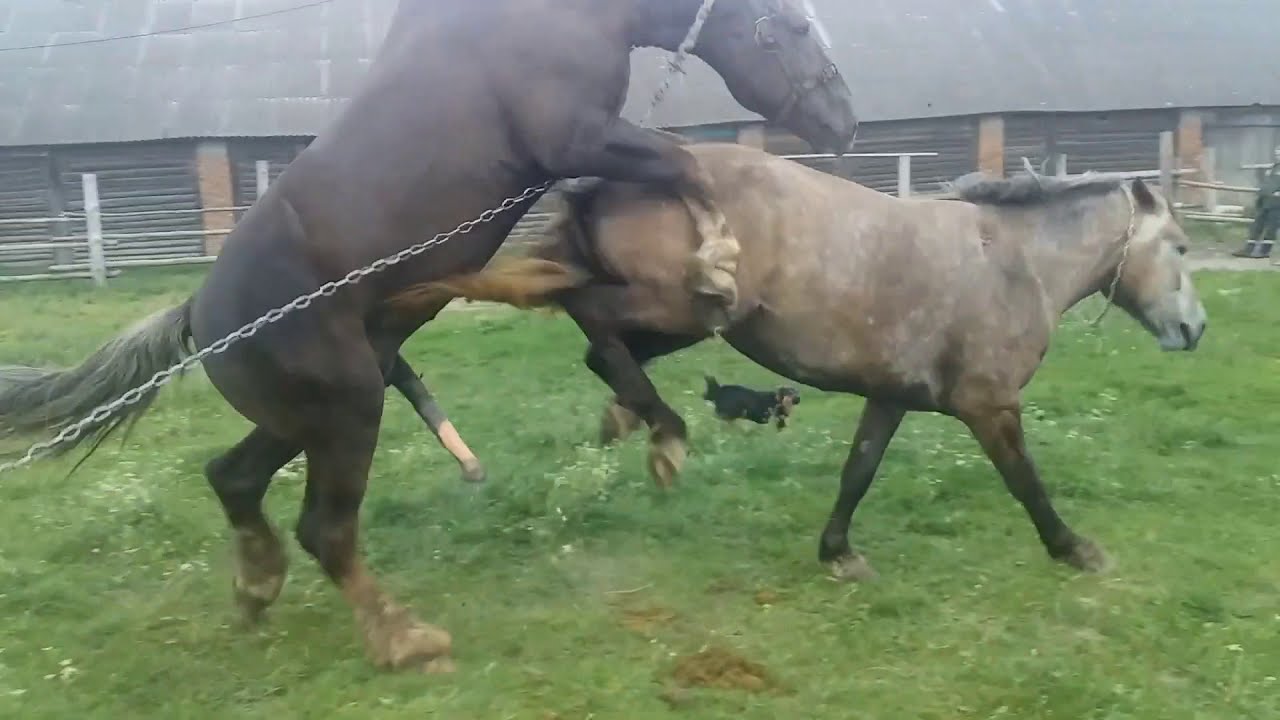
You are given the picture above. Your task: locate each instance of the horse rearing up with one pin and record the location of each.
(917, 304)
(465, 106)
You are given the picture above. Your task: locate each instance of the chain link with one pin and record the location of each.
(329, 289)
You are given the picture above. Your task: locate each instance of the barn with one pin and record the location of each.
(173, 103)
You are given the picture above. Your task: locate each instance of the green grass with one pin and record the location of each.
(114, 585)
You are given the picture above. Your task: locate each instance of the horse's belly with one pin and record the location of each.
(840, 349)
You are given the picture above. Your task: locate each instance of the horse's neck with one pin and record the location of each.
(661, 23)
(1075, 253)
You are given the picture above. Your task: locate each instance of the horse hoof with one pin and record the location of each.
(617, 423)
(252, 603)
(853, 568)
(666, 459)
(1087, 556)
(473, 472)
(398, 641)
(260, 570)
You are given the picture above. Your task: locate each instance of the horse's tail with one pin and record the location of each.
(34, 400)
(563, 260)
(522, 282)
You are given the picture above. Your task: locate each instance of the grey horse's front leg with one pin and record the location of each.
(404, 379)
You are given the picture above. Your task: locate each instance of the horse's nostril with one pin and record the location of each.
(1188, 336)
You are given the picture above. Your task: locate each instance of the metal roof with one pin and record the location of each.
(290, 74)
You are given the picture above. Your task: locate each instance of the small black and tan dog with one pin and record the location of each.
(735, 402)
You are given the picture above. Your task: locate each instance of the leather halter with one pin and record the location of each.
(799, 87)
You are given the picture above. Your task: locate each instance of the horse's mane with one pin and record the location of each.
(1031, 189)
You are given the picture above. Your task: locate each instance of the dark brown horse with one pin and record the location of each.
(917, 305)
(467, 104)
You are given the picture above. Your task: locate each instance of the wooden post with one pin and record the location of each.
(58, 207)
(263, 168)
(1167, 159)
(991, 144)
(1190, 148)
(904, 176)
(217, 190)
(93, 223)
(1060, 165)
(1208, 164)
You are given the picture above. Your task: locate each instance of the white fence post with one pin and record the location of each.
(904, 176)
(93, 225)
(1060, 165)
(264, 177)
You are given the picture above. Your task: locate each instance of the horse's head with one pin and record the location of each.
(1154, 283)
(773, 61)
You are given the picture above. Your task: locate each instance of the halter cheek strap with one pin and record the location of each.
(1127, 239)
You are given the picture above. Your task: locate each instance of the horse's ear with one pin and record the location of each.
(1143, 197)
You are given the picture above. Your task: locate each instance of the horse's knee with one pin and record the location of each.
(338, 463)
(328, 534)
(308, 534)
(241, 475)
(595, 361)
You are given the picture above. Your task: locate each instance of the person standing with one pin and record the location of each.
(1266, 218)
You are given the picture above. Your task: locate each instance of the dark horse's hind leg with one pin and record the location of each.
(405, 380)
(240, 477)
(999, 430)
(340, 434)
(644, 346)
(876, 428)
(597, 310)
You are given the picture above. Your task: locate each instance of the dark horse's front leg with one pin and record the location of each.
(615, 149)
(999, 430)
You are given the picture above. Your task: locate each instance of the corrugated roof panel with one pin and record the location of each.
(902, 58)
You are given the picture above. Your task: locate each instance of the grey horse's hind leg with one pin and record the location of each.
(876, 428)
(999, 430)
(404, 379)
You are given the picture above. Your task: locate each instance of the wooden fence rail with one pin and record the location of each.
(99, 266)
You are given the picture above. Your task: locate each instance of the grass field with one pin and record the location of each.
(576, 590)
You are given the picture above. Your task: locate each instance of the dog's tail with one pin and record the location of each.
(712, 387)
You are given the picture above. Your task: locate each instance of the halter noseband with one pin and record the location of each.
(799, 87)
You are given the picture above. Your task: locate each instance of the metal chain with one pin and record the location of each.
(676, 64)
(162, 378)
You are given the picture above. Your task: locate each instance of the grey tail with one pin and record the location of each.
(34, 401)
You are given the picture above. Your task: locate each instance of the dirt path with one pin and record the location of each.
(1221, 260)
